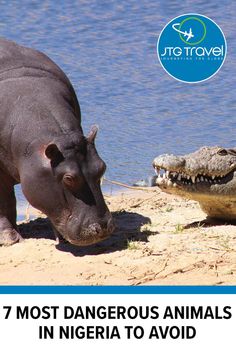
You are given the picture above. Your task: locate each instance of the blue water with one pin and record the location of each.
(108, 50)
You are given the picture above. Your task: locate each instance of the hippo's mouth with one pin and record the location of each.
(170, 179)
(80, 233)
(91, 235)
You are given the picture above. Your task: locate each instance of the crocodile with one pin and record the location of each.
(207, 175)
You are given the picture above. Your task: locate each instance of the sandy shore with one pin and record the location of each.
(159, 239)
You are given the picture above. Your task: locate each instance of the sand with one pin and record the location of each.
(159, 239)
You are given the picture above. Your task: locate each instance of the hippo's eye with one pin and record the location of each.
(222, 152)
(69, 180)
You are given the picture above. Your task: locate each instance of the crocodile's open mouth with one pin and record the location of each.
(174, 178)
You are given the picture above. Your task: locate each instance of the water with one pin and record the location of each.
(108, 50)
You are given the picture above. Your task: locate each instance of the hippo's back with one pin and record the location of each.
(37, 102)
(18, 61)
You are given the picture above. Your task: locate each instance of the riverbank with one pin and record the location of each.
(159, 239)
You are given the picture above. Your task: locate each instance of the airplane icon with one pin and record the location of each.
(189, 34)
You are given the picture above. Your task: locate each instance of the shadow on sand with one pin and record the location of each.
(208, 222)
(128, 227)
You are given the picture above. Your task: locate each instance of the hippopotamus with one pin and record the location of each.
(42, 146)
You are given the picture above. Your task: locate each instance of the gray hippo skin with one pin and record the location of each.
(207, 175)
(42, 146)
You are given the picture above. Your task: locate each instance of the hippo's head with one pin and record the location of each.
(65, 185)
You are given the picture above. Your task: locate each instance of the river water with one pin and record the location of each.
(108, 50)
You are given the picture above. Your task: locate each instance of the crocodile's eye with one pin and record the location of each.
(222, 152)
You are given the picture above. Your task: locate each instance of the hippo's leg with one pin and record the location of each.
(8, 233)
(58, 236)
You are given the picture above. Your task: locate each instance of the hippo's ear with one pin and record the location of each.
(53, 153)
(92, 134)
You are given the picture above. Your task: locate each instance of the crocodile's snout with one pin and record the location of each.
(171, 162)
(207, 175)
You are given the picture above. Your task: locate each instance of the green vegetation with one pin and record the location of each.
(179, 228)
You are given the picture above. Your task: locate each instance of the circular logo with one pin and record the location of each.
(191, 48)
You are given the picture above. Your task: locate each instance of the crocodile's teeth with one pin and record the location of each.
(202, 179)
(167, 174)
(157, 171)
(159, 180)
(193, 179)
(164, 175)
(197, 179)
(213, 177)
(179, 177)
